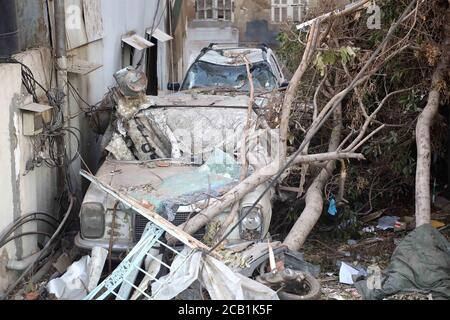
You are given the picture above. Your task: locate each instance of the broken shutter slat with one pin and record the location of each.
(160, 35)
(137, 42)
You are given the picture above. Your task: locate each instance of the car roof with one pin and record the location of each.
(232, 56)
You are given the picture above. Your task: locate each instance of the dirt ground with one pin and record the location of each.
(373, 248)
(326, 249)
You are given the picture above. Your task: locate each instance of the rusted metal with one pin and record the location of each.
(131, 81)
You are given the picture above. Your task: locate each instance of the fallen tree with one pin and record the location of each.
(355, 73)
(423, 136)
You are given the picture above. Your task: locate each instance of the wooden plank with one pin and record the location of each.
(75, 28)
(93, 21)
(80, 66)
(147, 210)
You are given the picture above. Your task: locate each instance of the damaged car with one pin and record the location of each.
(178, 152)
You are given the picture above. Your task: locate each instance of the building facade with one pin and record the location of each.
(230, 21)
(96, 49)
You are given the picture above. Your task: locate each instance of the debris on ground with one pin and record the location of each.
(421, 263)
(73, 284)
(387, 222)
(346, 273)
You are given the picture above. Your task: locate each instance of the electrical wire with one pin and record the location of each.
(17, 226)
(21, 235)
(28, 78)
(32, 217)
(48, 245)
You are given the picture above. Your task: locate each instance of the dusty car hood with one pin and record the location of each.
(166, 184)
(180, 126)
(127, 108)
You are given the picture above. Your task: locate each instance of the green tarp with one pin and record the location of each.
(421, 263)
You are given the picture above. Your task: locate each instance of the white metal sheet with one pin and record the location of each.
(75, 27)
(36, 107)
(137, 42)
(160, 35)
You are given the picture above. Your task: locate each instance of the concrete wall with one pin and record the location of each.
(200, 34)
(9, 91)
(22, 191)
(119, 18)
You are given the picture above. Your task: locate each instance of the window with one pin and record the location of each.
(283, 10)
(207, 76)
(214, 9)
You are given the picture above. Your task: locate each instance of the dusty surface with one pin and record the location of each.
(374, 248)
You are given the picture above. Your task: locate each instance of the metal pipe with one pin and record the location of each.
(60, 28)
(60, 48)
(20, 265)
(9, 32)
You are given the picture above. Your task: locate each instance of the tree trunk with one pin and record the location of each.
(423, 139)
(261, 176)
(314, 196)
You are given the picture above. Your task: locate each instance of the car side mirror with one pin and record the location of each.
(284, 85)
(173, 86)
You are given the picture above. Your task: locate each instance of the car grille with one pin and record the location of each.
(140, 222)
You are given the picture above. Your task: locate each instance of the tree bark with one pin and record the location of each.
(423, 139)
(291, 92)
(261, 176)
(314, 196)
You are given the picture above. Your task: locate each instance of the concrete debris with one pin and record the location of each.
(80, 278)
(98, 259)
(119, 148)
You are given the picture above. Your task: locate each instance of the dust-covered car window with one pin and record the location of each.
(208, 75)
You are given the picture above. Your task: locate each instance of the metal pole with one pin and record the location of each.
(9, 32)
(61, 78)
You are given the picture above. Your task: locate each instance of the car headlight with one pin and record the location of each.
(92, 220)
(252, 226)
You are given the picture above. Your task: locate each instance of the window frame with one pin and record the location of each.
(214, 8)
(281, 10)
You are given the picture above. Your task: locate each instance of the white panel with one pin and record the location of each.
(160, 35)
(137, 42)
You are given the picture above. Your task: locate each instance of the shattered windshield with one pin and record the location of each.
(208, 75)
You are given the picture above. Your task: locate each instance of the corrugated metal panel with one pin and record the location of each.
(33, 24)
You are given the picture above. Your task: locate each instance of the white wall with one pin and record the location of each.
(198, 38)
(21, 191)
(8, 89)
(120, 17)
